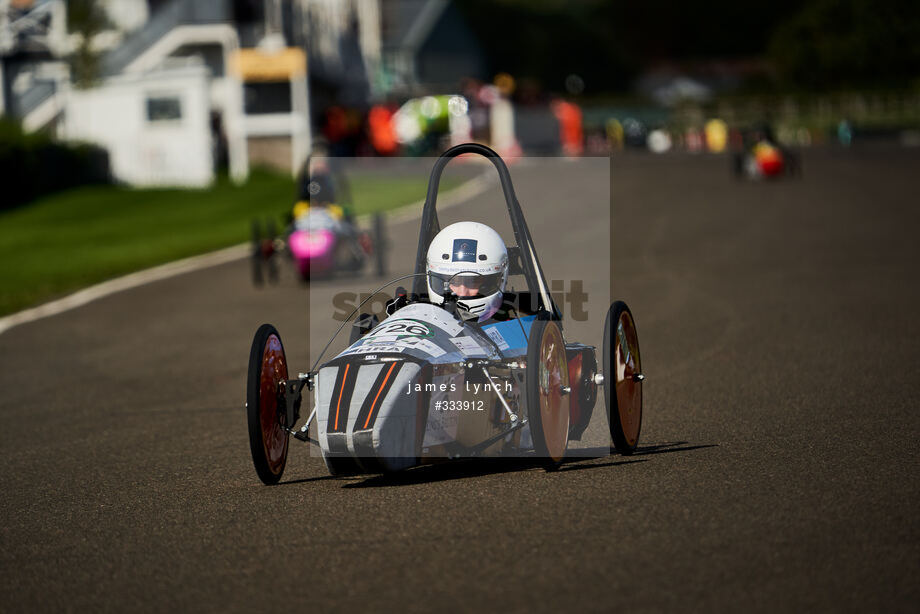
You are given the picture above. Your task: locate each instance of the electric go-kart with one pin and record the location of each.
(761, 157)
(321, 238)
(425, 385)
(320, 243)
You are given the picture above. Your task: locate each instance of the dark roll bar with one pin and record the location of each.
(430, 227)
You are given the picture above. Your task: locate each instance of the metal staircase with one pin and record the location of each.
(168, 16)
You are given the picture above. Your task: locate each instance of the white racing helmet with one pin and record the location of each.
(469, 260)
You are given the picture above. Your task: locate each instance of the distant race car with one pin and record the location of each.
(320, 243)
(762, 158)
(426, 384)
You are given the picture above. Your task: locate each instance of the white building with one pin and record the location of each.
(252, 64)
(155, 125)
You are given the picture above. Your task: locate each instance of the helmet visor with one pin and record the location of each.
(468, 285)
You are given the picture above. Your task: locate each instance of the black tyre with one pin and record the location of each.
(265, 406)
(271, 260)
(622, 378)
(737, 165)
(547, 389)
(584, 374)
(380, 245)
(256, 256)
(793, 164)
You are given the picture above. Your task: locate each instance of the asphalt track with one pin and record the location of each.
(777, 469)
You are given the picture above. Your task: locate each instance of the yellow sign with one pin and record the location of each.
(258, 65)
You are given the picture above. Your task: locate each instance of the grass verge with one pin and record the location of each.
(80, 237)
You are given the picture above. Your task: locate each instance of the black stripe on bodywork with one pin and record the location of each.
(343, 403)
(376, 396)
(337, 444)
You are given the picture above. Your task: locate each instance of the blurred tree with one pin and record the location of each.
(86, 18)
(817, 44)
(608, 42)
(849, 43)
(545, 41)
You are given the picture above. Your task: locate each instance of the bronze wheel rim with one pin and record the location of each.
(628, 389)
(554, 407)
(273, 372)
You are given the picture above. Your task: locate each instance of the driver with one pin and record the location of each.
(319, 185)
(468, 261)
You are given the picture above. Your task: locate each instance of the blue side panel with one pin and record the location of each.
(509, 334)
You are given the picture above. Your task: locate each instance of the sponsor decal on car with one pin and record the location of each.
(400, 329)
(429, 348)
(497, 338)
(467, 345)
(431, 315)
(380, 348)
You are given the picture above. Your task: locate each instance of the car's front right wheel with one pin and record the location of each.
(622, 378)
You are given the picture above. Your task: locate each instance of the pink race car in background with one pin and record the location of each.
(319, 244)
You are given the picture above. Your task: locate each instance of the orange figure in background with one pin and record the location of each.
(381, 131)
(570, 131)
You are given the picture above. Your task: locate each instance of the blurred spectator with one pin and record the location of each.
(570, 131)
(381, 131)
(342, 130)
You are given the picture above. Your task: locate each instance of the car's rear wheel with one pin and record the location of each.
(347, 255)
(622, 378)
(738, 165)
(265, 407)
(380, 245)
(256, 255)
(547, 387)
(271, 259)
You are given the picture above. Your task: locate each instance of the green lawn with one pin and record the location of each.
(73, 239)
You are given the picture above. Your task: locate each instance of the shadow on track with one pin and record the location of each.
(464, 469)
(319, 478)
(664, 447)
(667, 448)
(473, 468)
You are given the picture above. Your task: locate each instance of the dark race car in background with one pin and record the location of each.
(760, 156)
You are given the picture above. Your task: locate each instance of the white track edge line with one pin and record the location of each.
(461, 193)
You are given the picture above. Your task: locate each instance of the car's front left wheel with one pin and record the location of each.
(547, 390)
(265, 406)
